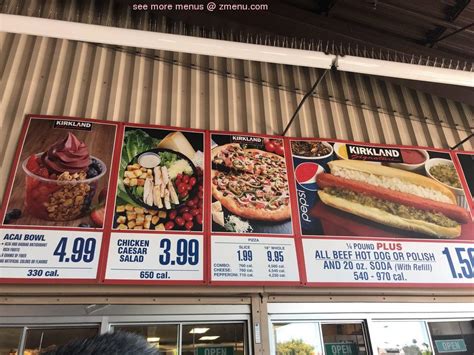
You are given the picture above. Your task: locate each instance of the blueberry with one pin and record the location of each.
(91, 172)
(14, 213)
(87, 200)
(84, 225)
(7, 219)
(97, 167)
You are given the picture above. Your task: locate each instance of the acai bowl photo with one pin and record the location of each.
(62, 174)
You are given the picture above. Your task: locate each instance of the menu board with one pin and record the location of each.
(157, 228)
(93, 201)
(55, 203)
(361, 207)
(251, 196)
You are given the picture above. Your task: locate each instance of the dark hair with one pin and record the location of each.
(119, 343)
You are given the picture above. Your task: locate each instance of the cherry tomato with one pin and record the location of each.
(189, 187)
(169, 225)
(200, 188)
(266, 141)
(192, 181)
(179, 176)
(270, 147)
(173, 214)
(190, 203)
(183, 194)
(183, 210)
(185, 178)
(189, 225)
(182, 188)
(180, 221)
(200, 194)
(279, 150)
(198, 219)
(195, 211)
(187, 216)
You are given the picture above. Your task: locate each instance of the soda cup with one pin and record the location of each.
(306, 171)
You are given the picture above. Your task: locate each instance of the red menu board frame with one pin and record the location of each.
(207, 233)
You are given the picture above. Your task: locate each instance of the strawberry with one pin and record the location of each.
(32, 164)
(98, 215)
(43, 172)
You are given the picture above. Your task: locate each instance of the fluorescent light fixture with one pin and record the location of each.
(405, 71)
(177, 43)
(209, 337)
(153, 339)
(163, 41)
(198, 330)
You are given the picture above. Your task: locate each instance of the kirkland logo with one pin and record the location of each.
(246, 139)
(84, 126)
(357, 152)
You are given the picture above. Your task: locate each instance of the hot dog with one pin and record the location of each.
(392, 197)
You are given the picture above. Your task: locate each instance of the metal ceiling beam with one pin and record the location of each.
(417, 15)
(300, 22)
(452, 34)
(451, 14)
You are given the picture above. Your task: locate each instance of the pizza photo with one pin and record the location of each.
(249, 184)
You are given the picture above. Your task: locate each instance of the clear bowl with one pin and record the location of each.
(458, 192)
(59, 200)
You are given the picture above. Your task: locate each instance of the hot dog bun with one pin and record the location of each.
(406, 176)
(396, 190)
(382, 217)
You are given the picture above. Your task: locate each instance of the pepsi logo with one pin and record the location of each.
(305, 175)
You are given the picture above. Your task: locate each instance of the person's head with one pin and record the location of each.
(119, 343)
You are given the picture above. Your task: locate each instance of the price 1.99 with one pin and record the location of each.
(461, 262)
(186, 252)
(82, 250)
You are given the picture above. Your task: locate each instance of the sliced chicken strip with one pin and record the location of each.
(167, 200)
(173, 194)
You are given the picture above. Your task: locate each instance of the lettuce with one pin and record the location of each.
(135, 141)
(168, 158)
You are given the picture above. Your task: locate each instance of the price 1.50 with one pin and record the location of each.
(461, 259)
(185, 252)
(82, 250)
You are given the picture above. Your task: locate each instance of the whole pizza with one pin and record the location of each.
(250, 183)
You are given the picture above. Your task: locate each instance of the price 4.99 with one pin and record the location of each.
(82, 250)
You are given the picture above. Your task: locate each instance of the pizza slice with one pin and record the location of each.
(232, 157)
(254, 185)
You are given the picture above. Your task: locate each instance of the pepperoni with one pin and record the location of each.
(454, 212)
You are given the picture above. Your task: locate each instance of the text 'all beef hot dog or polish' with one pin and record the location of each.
(392, 197)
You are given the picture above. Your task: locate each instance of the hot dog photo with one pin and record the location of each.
(349, 189)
